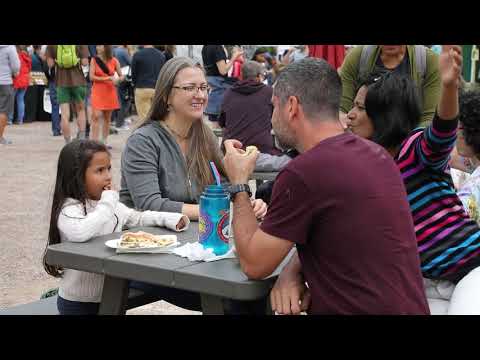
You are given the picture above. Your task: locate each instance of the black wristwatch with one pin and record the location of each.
(235, 189)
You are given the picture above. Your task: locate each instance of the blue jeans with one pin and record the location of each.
(215, 97)
(20, 100)
(56, 129)
(67, 307)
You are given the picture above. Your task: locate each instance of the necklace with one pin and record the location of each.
(175, 133)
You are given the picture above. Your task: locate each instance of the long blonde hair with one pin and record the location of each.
(203, 146)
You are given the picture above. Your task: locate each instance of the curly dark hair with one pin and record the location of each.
(469, 117)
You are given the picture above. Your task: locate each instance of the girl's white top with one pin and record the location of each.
(103, 217)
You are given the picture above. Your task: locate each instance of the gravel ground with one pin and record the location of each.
(27, 175)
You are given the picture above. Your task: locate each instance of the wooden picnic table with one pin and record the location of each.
(214, 281)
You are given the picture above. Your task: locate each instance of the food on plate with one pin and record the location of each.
(250, 150)
(143, 239)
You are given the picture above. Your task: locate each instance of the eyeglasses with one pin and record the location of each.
(193, 89)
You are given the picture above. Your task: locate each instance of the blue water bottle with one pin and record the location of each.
(214, 220)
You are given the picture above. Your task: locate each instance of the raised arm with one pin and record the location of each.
(438, 139)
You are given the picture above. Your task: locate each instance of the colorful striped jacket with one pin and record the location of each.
(448, 239)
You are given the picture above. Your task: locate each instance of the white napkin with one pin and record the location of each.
(196, 252)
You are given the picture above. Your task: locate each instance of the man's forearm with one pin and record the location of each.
(244, 224)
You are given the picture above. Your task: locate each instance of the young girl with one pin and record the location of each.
(104, 93)
(468, 146)
(84, 206)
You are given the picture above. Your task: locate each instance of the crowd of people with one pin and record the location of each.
(364, 153)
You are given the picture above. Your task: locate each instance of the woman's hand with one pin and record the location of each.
(259, 208)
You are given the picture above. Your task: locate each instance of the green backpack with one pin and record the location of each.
(67, 56)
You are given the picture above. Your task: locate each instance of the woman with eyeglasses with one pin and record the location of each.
(386, 110)
(165, 162)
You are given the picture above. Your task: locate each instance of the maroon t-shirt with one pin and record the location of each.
(344, 204)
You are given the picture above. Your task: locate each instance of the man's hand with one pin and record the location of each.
(290, 295)
(450, 65)
(238, 165)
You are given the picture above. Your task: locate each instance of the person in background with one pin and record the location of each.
(146, 65)
(35, 92)
(416, 62)
(216, 66)
(52, 89)
(170, 51)
(9, 68)
(468, 146)
(21, 82)
(104, 92)
(71, 84)
(296, 53)
(237, 65)
(246, 110)
(122, 54)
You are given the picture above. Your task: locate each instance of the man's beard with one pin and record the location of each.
(283, 141)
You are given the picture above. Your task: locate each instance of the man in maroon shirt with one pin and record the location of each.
(353, 232)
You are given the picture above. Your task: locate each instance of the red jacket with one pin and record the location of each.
(22, 80)
(333, 54)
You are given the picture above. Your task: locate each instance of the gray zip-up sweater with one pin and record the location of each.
(9, 64)
(154, 173)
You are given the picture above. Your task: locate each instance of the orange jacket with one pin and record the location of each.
(22, 80)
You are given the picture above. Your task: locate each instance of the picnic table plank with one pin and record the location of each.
(88, 256)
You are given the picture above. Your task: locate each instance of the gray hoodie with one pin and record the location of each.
(154, 172)
(9, 64)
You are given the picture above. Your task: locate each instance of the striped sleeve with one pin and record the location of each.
(434, 148)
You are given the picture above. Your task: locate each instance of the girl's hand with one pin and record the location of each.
(259, 208)
(182, 223)
(109, 187)
(450, 65)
